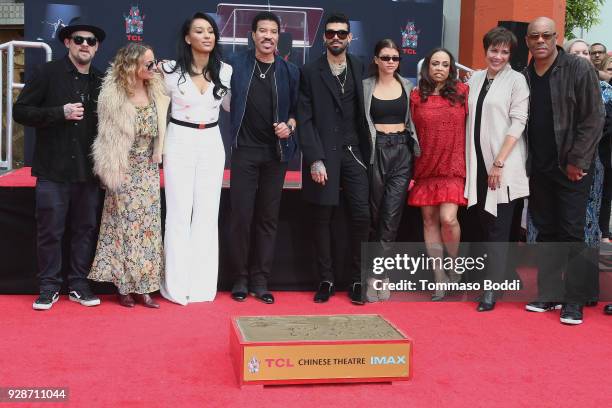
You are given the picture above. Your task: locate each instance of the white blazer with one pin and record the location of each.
(504, 112)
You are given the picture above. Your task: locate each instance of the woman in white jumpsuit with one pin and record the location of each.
(194, 159)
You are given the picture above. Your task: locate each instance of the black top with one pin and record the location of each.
(349, 107)
(541, 132)
(257, 125)
(481, 169)
(389, 111)
(62, 151)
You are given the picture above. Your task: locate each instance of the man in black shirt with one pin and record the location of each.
(60, 101)
(264, 91)
(564, 128)
(336, 145)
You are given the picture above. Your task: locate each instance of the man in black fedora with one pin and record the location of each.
(60, 101)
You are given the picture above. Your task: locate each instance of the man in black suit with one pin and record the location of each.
(336, 146)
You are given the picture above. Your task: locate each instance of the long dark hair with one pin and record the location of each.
(427, 86)
(184, 58)
(386, 43)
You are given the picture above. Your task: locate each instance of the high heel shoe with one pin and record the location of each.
(438, 296)
(487, 301)
(126, 300)
(146, 300)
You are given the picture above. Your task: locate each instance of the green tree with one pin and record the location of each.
(581, 14)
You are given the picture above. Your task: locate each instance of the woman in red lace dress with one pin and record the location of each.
(439, 109)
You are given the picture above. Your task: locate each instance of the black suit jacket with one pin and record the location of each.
(320, 124)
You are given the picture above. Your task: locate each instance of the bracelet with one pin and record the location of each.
(499, 164)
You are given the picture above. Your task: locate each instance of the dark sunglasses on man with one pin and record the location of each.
(387, 58)
(546, 36)
(91, 41)
(342, 34)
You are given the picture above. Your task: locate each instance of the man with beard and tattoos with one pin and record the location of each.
(264, 90)
(60, 101)
(335, 143)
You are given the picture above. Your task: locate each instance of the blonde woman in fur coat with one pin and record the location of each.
(132, 110)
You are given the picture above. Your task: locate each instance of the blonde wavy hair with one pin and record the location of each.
(126, 63)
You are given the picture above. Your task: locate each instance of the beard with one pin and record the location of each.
(337, 50)
(81, 58)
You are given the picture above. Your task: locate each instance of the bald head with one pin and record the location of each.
(541, 39)
(542, 24)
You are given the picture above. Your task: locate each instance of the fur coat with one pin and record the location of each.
(117, 129)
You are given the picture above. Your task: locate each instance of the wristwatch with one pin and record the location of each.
(499, 164)
(291, 128)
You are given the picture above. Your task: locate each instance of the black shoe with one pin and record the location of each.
(46, 300)
(264, 296)
(591, 303)
(326, 289)
(239, 296)
(239, 291)
(541, 307)
(571, 313)
(84, 296)
(487, 301)
(355, 294)
(608, 309)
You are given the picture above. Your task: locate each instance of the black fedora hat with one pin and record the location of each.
(77, 24)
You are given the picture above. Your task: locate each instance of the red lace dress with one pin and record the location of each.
(439, 173)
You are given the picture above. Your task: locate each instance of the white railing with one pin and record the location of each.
(459, 66)
(6, 138)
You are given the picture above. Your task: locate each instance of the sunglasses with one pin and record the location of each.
(151, 65)
(342, 34)
(387, 58)
(91, 41)
(545, 36)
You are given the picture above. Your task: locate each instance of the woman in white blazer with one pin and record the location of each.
(496, 152)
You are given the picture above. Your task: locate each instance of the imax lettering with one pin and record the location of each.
(387, 360)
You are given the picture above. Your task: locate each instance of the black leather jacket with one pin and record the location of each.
(578, 111)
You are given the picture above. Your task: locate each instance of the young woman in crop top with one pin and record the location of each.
(387, 111)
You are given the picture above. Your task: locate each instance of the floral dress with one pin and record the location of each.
(130, 250)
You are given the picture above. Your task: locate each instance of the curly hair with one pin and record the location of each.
(427, 85)
(125, 64)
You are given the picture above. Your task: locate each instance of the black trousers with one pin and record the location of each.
(558, 208)
(606, 203)
(255, 195)
(495, 231)
(354, 183)
(56, 204)
(389, 180)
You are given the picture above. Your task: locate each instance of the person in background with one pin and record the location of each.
(194, 160)
(388, 116)
(598, 54)
(496, 151)
(439, 108)
(132, 110)
(60, 101)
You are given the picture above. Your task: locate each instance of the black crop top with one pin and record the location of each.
(389, 111)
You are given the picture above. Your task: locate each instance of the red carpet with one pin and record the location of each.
(177, 356)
